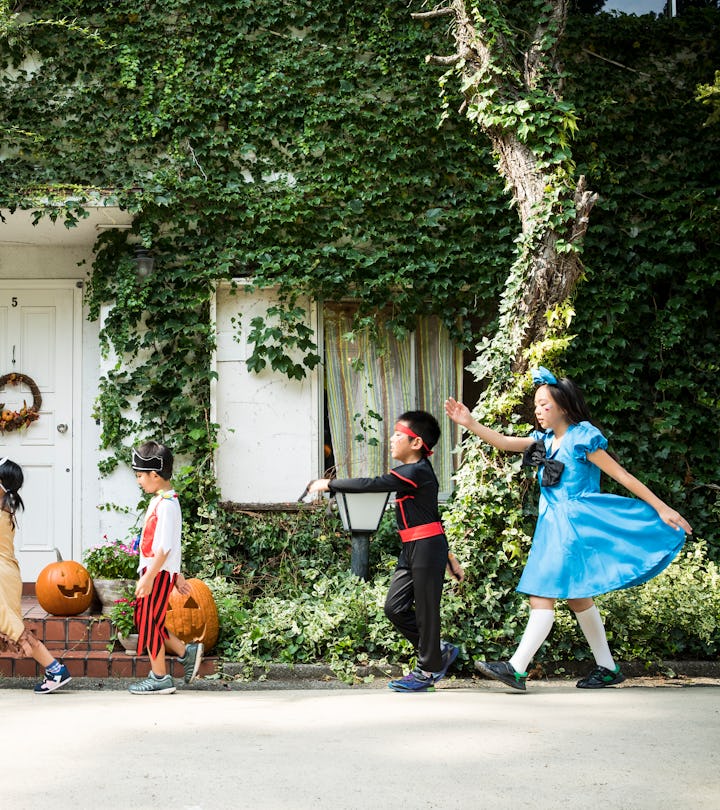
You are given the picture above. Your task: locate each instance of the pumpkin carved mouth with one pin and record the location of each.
(73, 592)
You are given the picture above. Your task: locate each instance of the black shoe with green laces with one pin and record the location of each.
(601, 677)
(502, 671)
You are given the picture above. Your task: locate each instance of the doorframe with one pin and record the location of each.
(76, 286)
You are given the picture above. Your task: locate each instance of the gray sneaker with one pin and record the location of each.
(152, 685)
(502, 671)
(191, 660)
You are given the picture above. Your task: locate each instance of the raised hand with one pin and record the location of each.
(458, 412)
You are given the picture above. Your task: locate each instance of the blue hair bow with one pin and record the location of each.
(541, 376)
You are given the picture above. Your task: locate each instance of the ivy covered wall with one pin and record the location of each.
(297, 144)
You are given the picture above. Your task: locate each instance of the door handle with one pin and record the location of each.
(62, 428)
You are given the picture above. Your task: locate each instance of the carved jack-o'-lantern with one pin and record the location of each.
(194, 617)
(64, 588)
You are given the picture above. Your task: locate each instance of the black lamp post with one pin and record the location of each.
(361, 513)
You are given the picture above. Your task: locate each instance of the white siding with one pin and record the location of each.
(270, 428)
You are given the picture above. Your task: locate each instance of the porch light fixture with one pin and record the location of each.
(143, 261)
(361, 513)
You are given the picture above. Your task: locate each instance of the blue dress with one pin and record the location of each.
(587, 543)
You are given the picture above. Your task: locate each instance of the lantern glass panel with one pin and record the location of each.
(361, 511)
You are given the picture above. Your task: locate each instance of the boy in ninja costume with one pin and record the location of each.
(413, 599)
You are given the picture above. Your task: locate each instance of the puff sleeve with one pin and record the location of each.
(587, 439)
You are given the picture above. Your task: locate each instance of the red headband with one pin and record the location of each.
(400, 428)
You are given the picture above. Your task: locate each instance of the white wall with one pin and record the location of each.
(270, 442)
(270, 429)
(50, 251)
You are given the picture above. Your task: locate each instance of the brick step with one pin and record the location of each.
(82, 643)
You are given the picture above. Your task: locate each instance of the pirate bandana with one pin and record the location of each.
(142, 464)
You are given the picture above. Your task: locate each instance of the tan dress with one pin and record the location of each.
(11, 623)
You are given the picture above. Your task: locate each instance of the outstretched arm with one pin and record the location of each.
(460, 414)
(318, 485)
(617, 472)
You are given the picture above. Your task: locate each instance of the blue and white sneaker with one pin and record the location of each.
(415, 681)
(53, 682)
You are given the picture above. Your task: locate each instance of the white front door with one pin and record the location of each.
(37, 327)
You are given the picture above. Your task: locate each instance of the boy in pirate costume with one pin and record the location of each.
(159, 569)
(413, 599)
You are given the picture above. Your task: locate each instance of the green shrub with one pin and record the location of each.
(293, 599)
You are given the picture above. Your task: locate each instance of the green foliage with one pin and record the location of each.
(648, 315)
(122, 615)
(290, 595)
(674, 616)
(113, 559)
(709, 94)
(292, 598)
(295, 145)
(282, 330)
(298, 144)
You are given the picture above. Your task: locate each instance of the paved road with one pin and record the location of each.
(468, 745)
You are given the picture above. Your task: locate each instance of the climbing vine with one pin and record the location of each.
(303, 146)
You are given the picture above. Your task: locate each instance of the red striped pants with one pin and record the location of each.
(150, 614)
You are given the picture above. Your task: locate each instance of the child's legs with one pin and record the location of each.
(150, 612)
(36, 649)
(174, 645)
(591, 623)
(542, 616)
(400, 601)
(428, 561)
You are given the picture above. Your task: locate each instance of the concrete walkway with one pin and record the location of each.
(470, 744)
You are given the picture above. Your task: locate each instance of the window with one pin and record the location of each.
(368, 386)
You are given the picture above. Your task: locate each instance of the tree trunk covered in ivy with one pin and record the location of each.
(511, 83)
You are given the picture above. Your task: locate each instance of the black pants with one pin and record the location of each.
(413, 599)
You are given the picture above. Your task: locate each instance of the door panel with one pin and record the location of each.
(36, 339)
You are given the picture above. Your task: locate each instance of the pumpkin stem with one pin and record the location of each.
(58, 554)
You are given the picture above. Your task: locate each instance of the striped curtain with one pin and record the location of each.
(368, 386)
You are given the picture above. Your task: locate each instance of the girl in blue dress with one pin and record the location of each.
(585, 543)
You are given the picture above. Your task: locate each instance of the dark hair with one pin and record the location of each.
(570, 398)
(150, 449)
(424, 424)
(11, 479)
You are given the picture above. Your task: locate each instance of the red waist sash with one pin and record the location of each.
(421, 532)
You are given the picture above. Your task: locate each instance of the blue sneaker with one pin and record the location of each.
(449, 654)
(53, 682)
(415, 681)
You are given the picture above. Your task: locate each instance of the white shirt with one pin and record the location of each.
(162, 532)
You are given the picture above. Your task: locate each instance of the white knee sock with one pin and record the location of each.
(591, 624)
(538, 627)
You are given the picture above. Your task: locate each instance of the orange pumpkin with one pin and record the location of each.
(194, 617)
(64, 588)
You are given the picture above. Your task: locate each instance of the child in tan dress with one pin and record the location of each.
(14, 636)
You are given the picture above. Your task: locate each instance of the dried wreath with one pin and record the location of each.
(13, 420)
